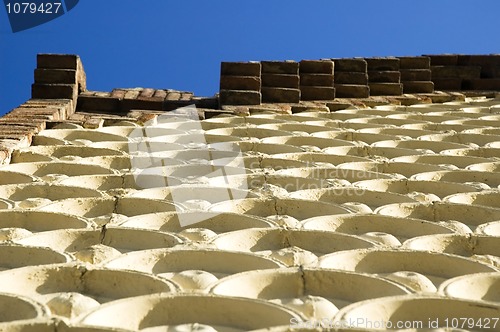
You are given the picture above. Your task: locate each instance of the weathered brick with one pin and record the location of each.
(132, 94)
(481, 84)
(34, 117)
(384, 76)
(278, 108)
(237, 109)
(23, 139)
(205, 102)
(382, 64)
(309, 107)
(443, 97)
(186, 96)
(21, 112)
(93, 123)
(112, 121)
(118, 93)
(350, 77)
(59, 61)
(64, 76)
(280, 67)
(479, 60)
(160, 94)
(76, 117)
(15, 134)
(101, 104)
(240, 68)
(459, 96)
(239, 97)
(210, 113)
(143, 117)
(147, 93)
(48, 102)
(350, 65)
(453, 84)
(39, 124)
(456, 72)
(385, 89)
(141, 104)
(317, 93)
(415, 75)
(42, 113)
(26, 107)
(266, 109)
(280, 95)
(102, 94)
(7, 127)
(81, 77)
(352, 91)
(409, 99)
(280, 81)
(338, 105)
(173, 95)
(414, 62)
(316, 67)
(316, 79)
(64, 61)
(240, 83)
(443, 59)
(52, 91)
(385, 100)
(418, 87)
(488, 71)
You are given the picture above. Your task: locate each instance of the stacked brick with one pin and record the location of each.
(252, 83)
(60, 87)
(151, 99)
(19, 125)
(490, 71)
(58, 76)
(316, 80)
(280, 82)
(351, 78)
(125, 100)
(58, 81)
(448, 75)
(240, 83)
(416, 74)
(384, 78)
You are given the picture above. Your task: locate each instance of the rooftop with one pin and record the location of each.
(304, 193)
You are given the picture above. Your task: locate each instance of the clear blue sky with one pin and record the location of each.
(180, 44)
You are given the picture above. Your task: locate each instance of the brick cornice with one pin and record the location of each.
(59, 91)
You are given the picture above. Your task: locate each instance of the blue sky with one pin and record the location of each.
(180, 44)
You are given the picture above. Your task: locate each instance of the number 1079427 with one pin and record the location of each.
(33, 8)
